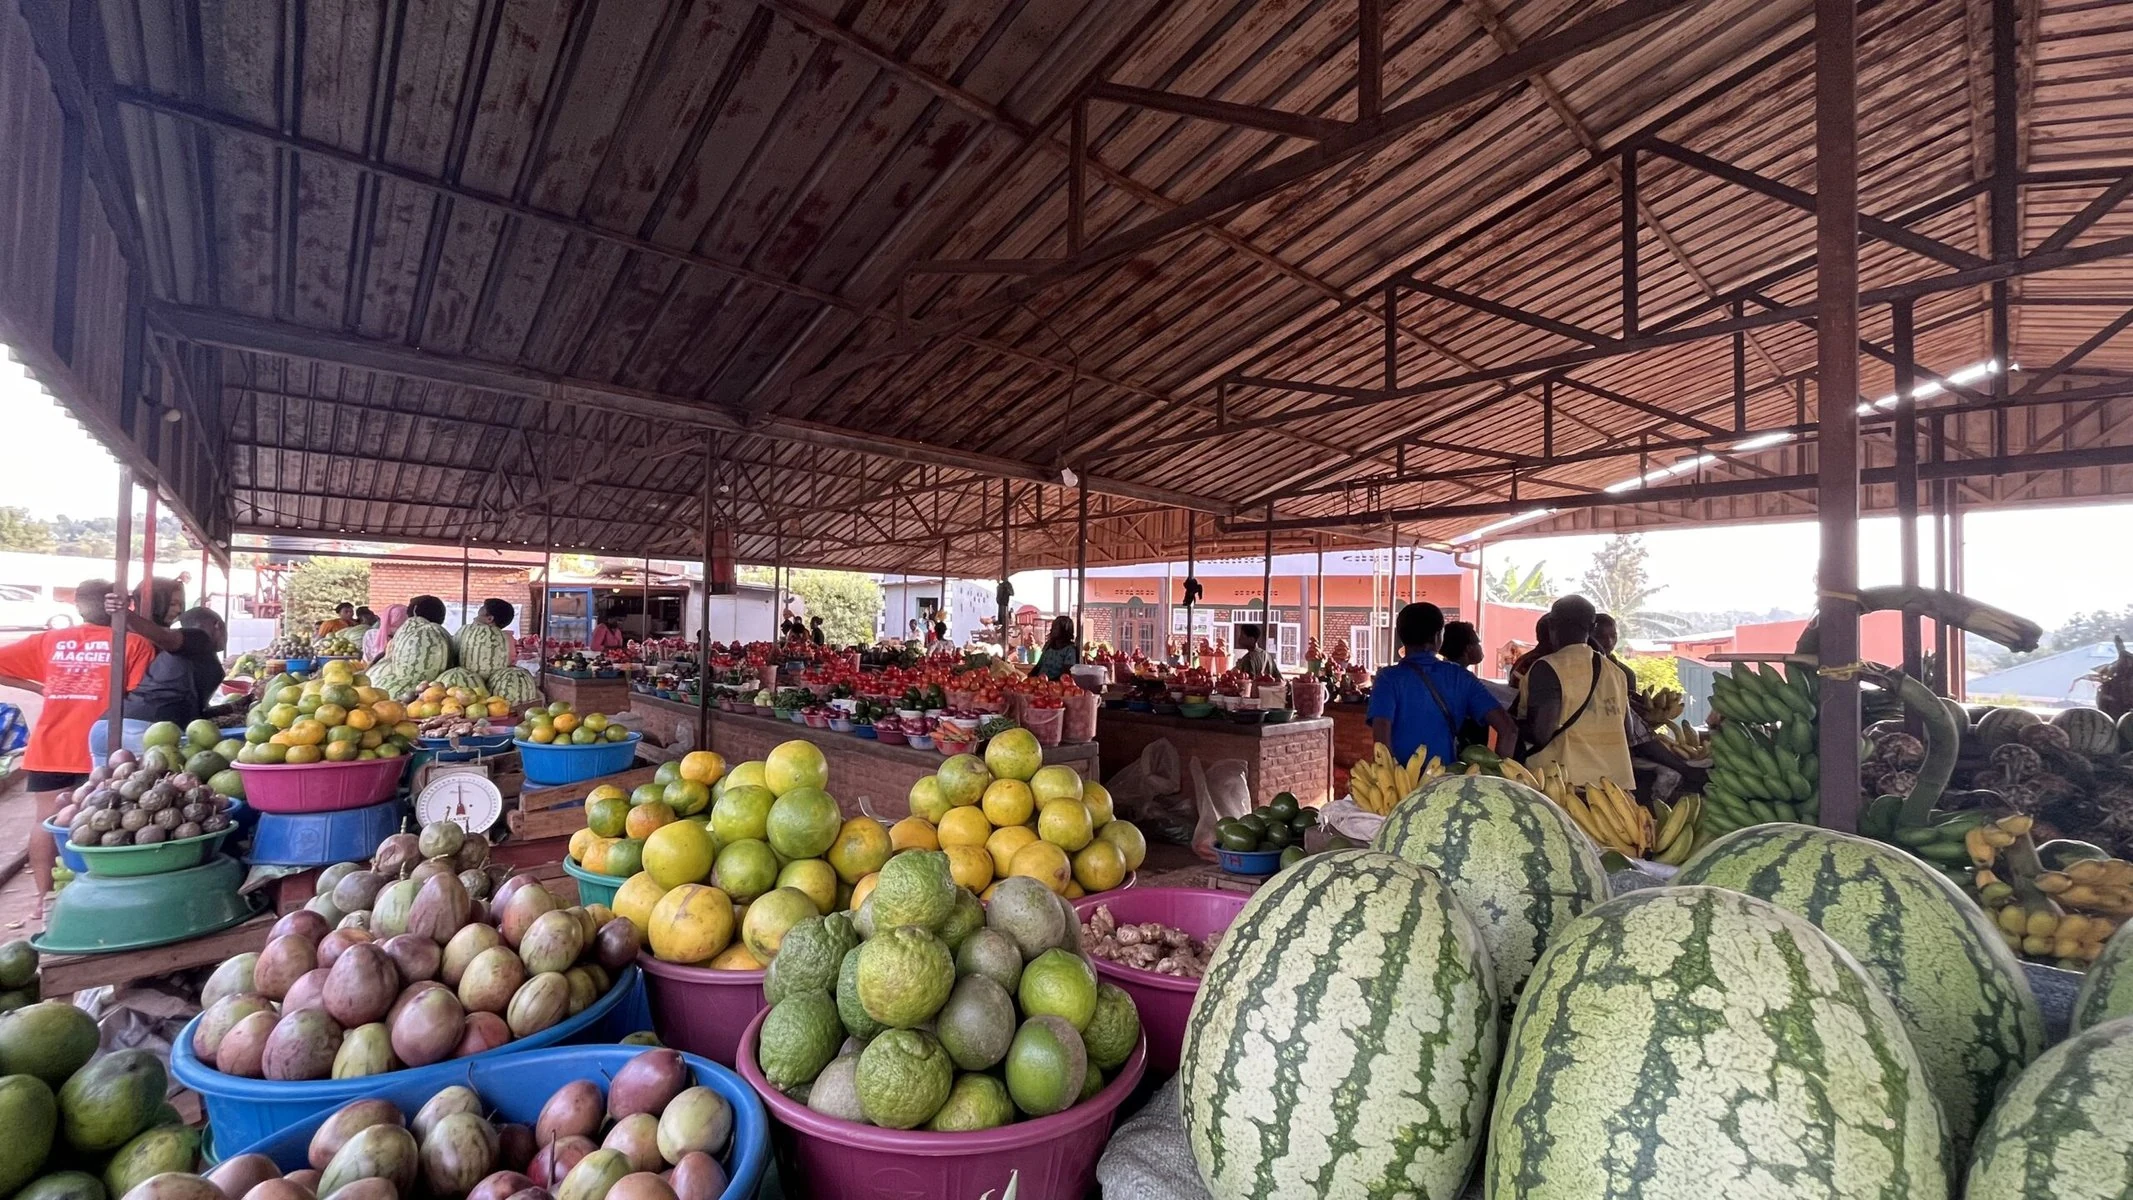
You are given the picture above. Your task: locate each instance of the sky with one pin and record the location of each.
(2044, 564)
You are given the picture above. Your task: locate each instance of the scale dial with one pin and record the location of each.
(468, 799)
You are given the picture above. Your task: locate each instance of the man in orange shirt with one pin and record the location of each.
(72, 667)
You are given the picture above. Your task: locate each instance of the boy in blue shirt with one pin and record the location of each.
(1422, 700)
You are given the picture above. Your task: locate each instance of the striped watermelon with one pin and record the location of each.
(515, 684)
(1692, 1042)
(1961, 994)
(2000, 726)
(482, 648)
(1519, 864)
(1343, 1039)
(2088, 730)
(2107, 989)
(2064, 1131)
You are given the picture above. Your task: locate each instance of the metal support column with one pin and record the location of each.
(1906, 433)
(1081, 554)
(466, 581)
(1384, 646)
(1007, 545)
(1837, 397)
(703, 625)
(1267, 627)
(116, 713)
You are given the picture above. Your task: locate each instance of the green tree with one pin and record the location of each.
(1654, 671)
(316, 585)
(848, 603)
(1509, 587)
(2088, 628)
(1617, 583)
(21, 531)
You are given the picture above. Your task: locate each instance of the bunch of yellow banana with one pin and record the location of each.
(1614, 819)
(1380, 781)
(1660, 705)
(1676, 824)
(1687, 741)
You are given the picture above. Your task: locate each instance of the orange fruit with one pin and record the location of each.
(565, 722)
(1045, 863)
(643, 819)
(703, 766)
(307, 732)
(964, 826)
(913, 833)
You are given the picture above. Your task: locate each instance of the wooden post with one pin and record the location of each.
(644, 590)
(115, 713)
(703, 621)
(1901, 335)
(1837, 398)
(1266, 584)
(148, 553)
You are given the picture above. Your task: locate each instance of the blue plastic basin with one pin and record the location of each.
(67, 858)
(550, 765)
(320, 839)
(1248, 862)
(241, 1111)
(516, 1086)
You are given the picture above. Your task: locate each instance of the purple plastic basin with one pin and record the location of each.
(321, 787)
(1165, 1001)
(1053, 1157)
(701, 1011)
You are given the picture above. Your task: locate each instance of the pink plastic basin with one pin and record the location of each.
(1165, 1001)
(1053, 1157)
(321, 787)
(699, 1011)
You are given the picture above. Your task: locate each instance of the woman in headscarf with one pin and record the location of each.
(374, 642)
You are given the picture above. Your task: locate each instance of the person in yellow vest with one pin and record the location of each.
(1578, 703)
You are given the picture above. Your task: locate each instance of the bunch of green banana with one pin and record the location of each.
(1763, 694)
(1677, 826)
(1945, 841)
(1767, 776)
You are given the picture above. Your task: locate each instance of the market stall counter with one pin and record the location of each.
(1291, 756)
(864, 769)
(607, 695)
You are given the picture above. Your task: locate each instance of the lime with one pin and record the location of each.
(745, 869)
(667, 772)
(916, 888)
(685, 796)
(904, 1078)
(803, 822)
(625, 857)
(1059, 984)
(1115, 1029)
(645, 793)
(162, 733)
(905, 975)
(975, 1102)
(799, 1037)
(1046, 1066)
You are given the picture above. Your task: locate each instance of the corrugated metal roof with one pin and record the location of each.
(694, 206)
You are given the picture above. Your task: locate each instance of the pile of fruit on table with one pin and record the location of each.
(144, 801)
(405, 963)
(333, 716)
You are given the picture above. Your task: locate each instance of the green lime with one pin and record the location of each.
(645, 793)
(743, 812)
(745, 869)
(904, 1078)
(1059, 984)
(803, 823)
(1046, 1066)
(606, 816)
(975, 1102)
(667, 772)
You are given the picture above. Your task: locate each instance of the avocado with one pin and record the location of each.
(162, 1148)
(18, 965)
(111, 1099)
(63, 1185)
(28, 1115)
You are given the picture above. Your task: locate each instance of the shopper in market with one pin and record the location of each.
(1660, 771)
(184, 654)
(1462, 644)
(1422, 700)
(428, 607)
(376, 640)
(1577, 703)
(1062, 650)
(814, 632)
(607, 635)
(497, 612)
(71, 667)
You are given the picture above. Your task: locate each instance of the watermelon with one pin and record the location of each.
(2064, 1131)
(2088, 730)
(483, 647)
(2000, 726)
(1517, 862)
(1962, 996)
(515, 684)
(460, 677)
(1343, 1038)
(421, 647)
(1695, 1042)
(2107, 988)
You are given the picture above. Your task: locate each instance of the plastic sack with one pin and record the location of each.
(1146, 792)
(1148, 1157)
(1349, 819)
(1223, 790)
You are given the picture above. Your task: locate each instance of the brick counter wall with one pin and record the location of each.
(860, 769)
(1296, 756)
(1351, 740)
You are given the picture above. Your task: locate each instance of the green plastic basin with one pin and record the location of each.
(160, 858)
(99, 914)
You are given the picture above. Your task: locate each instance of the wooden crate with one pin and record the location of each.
(535, 799)
(65, 974)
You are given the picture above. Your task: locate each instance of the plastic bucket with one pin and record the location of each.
(550, 765)
(516, 1086)
(67, 857)
(1054, 1158)
(241, 1111)
(1164, 1001)
(699, 1010)
(322, 786)
(317, 839)
(593, 887)
(1248, 862)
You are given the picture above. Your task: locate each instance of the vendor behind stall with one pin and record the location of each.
(1657, 758)
(376, 640)
(1257, 661)
(1060, 649)
(1577, 703)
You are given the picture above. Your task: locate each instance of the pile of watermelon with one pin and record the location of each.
(1802, 1014)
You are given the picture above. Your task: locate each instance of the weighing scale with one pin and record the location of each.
(461, 794)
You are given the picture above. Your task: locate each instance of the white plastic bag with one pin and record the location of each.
(1224, 790)
(1349, 819)
(1138, 792)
